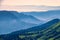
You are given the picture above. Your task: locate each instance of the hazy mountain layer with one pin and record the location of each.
(47, 31)
(12, 21)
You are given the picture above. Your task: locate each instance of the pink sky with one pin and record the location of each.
(31, 2)
(16, 5)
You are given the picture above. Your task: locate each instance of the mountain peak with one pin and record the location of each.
(56, 20)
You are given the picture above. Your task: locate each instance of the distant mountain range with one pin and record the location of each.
(47, 31)
(12, 21)
(30, 25)
(45, 16)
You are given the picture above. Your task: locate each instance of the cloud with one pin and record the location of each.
(30, 8)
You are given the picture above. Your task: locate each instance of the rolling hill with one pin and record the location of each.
(12, 21)
(47, 31)
(51, 14)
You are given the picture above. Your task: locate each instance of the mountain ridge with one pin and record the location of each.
(12, 20)
(50, 32)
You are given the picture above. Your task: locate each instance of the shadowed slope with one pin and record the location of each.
(47, 31)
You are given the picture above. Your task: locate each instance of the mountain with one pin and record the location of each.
(47, 31)
(30, 19)
(12, 21)
(47, 15)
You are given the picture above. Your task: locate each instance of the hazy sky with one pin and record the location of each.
(16, 4)
(32, 2)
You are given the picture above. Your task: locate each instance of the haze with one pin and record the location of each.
(16, 4)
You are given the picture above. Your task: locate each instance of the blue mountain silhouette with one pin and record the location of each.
(12, 21)
(47, 31)
(51, 14)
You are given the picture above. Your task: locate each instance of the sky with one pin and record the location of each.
(15, 4)
(31, 2)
